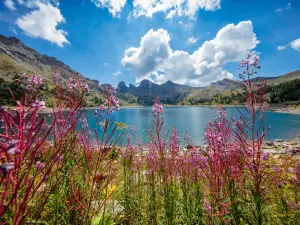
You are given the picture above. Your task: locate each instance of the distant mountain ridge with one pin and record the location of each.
(169, 92)
(173, 93)
(17, 58)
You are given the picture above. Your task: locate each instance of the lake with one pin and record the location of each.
(194, 119)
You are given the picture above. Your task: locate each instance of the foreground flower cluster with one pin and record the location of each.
(55, 170)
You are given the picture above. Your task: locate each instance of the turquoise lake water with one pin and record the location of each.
(194, 119)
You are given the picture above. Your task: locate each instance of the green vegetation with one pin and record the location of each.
(287, 92)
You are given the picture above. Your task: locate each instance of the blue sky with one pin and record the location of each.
(187, 43)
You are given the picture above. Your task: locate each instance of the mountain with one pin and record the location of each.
(225, 84)
(172, 93)
(16, 58)
(286, 77)
(146, 92)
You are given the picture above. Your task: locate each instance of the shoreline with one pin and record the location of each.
(288, 109)
(278, 148)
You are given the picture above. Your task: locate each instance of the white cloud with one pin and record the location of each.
(118, 73)
(153, 51)
(286, 8)
(33, 3)
(42, 22)
(155, 60)
(113, 6)
(293, 44)
(9, 4)
(192, 40)
(173, 7)
(281, 47)
(149, 7)
(296, 45)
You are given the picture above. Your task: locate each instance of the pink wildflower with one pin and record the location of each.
(39, 165)
(157, 108)
(25, 76)
(38, 104)
(101, 107)
(13, 147)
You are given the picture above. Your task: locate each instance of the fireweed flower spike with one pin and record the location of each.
(27, 142)
(250, 134)
(157, 108)
(91, 191)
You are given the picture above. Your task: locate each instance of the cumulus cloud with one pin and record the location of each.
(149, 7)
(293, 44)
(153, 51)
(155, 60)
(113, 6)
(192, 40)
(42, 22)
(296, 45)
(9, 4)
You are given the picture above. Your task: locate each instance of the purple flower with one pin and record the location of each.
(6, 167)
(13, 147)
(39, 165)
(207, 205)
(266, 156)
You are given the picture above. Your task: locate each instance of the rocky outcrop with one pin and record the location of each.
(146, 92)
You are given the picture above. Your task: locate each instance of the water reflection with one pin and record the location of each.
(194, 119)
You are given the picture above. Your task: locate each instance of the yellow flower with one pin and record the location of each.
(110, 190)
(121, 126)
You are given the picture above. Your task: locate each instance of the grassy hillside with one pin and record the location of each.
(16, 59)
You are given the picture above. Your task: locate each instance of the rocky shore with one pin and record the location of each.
(293, 109)
(279, 147)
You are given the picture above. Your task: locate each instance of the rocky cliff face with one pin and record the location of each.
(146, 92)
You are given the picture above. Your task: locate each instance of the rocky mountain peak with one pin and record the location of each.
(10, 40)
(145, 83)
